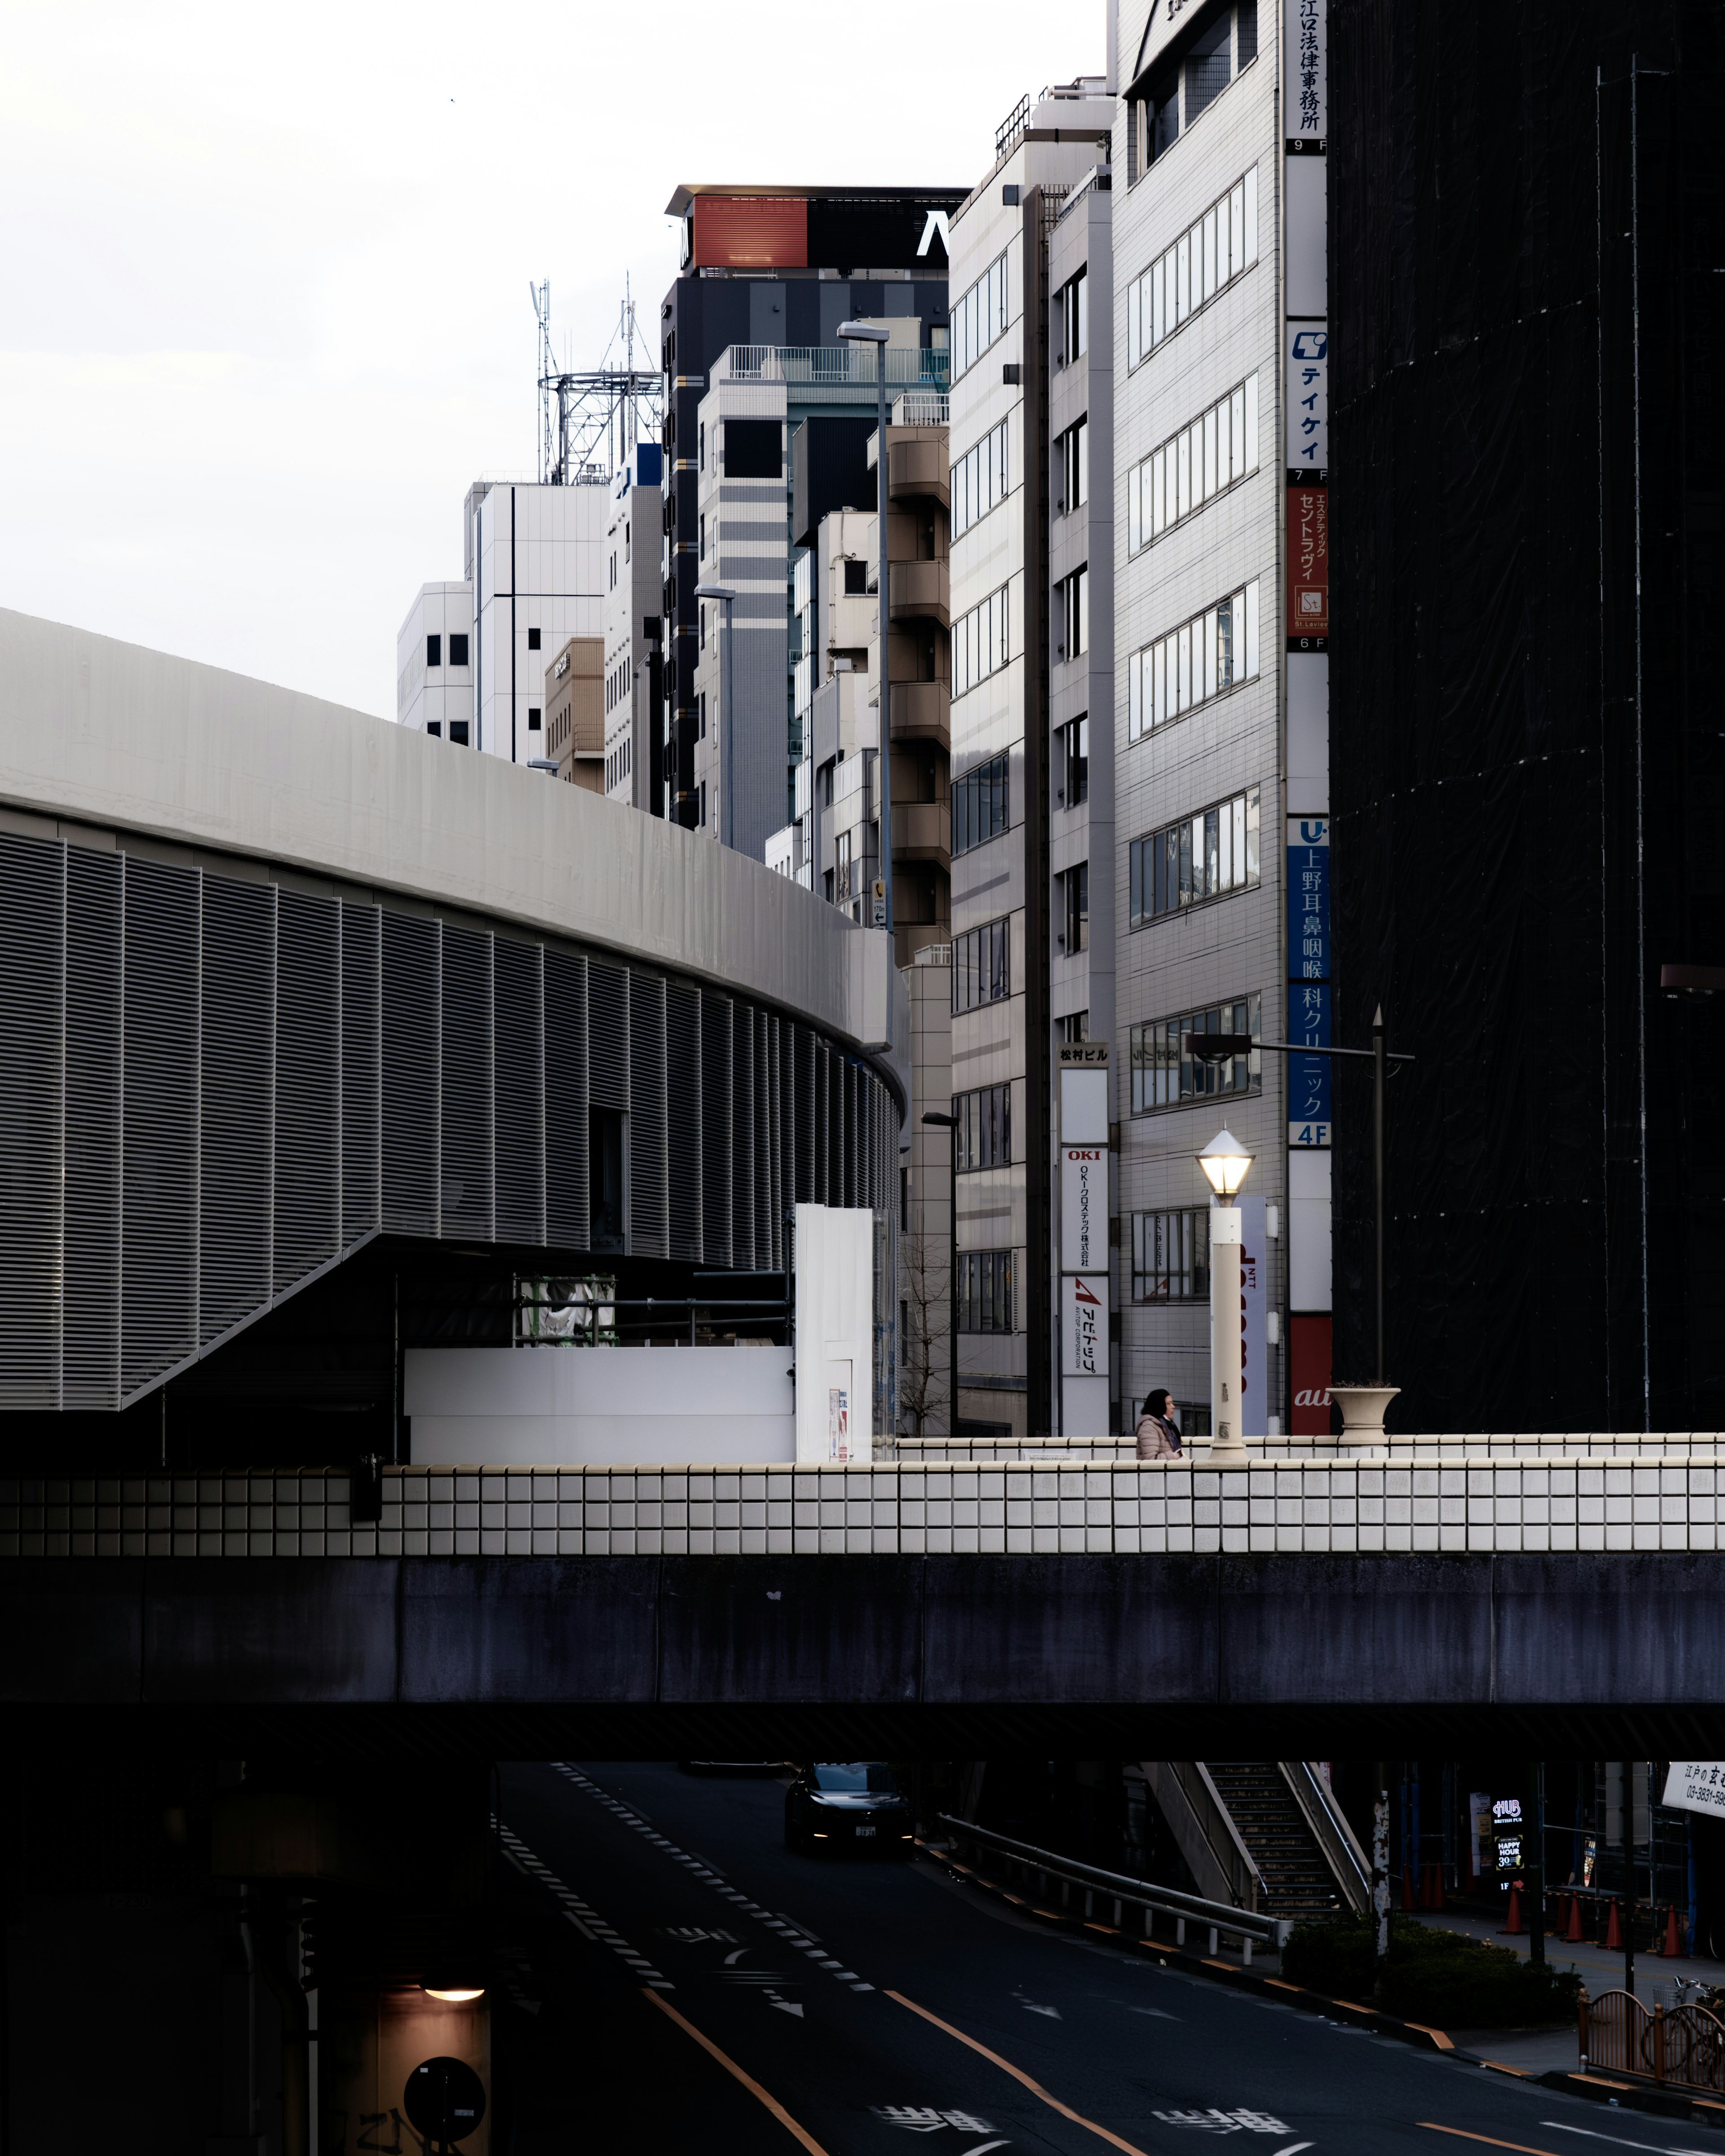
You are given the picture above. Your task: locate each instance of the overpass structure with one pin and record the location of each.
(278, 980)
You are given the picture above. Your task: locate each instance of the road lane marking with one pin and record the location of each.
(1618, 2140)
(1462, 2133)
(586, 1919)
(1018, 2074)
(730, 2066)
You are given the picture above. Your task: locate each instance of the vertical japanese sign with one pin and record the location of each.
(1306, 369)
(1084, 1207)
(1308, 568)
(1309, 1075)
(1305, 73)
(1084, 1325)
(1086, 1154)
(1308, 898)
(1254, 1272)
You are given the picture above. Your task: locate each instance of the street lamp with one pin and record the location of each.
(870, 333)
(951, 1123)
(1225, 1162)
(727, 719)
(542, 764)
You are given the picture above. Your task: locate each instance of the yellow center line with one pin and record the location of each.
(1462, 2133)
(748, 2080)
(1018, 2074)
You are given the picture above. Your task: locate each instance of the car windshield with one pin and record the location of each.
(873, 1775)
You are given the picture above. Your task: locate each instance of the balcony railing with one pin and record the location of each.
(832, 366)
(923, 407)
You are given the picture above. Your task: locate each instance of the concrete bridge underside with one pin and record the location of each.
(906, 1656)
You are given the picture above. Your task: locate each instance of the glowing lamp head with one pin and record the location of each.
(1224, 1161)
(452, 1994)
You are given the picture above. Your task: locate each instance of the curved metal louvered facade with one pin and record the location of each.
(215, 1085)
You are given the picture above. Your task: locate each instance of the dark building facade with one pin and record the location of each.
(1527, 238)
(774, 266)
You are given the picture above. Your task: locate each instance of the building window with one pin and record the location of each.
(703, 536)
(982, 642)
(1178, 93)
(856, 579)
(1205, 657)
(1074, 755)
(1171, 1256)
(433, 651)
(979, 480)
(703, 804)
(702, 451)
(1165, 1077)
(979, 803)
(434, 728)
(703, 627)
(1073, 302)
(1075, 901)
(533, 726)
(1201, 857)
(985, 1291)
(984, 1135)
(457, 732)
(1176, 480)
(1072, 600)
(532, 639)
(1072, 475)
(982, 966)
(842, 892)
(458, 651)
(1075, 1026)
(980, 316)
(701, 716)
(754, 449)
(1206, 259)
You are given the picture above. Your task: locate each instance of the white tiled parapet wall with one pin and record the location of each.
(1658, 1500)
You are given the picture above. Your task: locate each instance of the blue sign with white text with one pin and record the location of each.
(1308, 898)
(1308, 1075)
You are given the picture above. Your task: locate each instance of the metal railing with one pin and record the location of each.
(654, 1322)
(923, 407)
(1216, 1919)
(1330, 1831)
(833, 366)
(1681, 2045)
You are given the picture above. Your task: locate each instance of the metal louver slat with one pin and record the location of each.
(567, 1224)
(518, 1035)
(607, 1035)
(411, 1064)
(362, 1050)
(838, 1132)
(468, 1087)
(766, 1130)
(90, 1351)
(849, 1187)
(648, 1200)
(806, 1115)
(682, 1076)
(159, 1227)
(744, 1018)
(308, 1086)
(236, 1118)
(33, 944)
(715, 1112)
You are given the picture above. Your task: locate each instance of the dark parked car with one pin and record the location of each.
(847, 1804)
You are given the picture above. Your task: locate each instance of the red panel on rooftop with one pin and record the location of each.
(751, 232)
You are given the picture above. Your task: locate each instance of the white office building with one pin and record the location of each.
(634, 600)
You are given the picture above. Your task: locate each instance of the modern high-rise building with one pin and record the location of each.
(634, 637)
(532, 576)
(767, 275)
(1220, 748)
(1031, 671)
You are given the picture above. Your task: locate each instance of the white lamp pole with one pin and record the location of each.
(1225, 1162)
(871, 333)
(727, 719)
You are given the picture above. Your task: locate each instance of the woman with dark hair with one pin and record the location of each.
(1158, 1435)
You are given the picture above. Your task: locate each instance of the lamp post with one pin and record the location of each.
(1225, 1162)
(871, 333)
(951, 1123)
(727, 722)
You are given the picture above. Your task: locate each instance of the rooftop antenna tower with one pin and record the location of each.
(589, 422)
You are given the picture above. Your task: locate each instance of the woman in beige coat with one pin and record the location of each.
(1158, 1437)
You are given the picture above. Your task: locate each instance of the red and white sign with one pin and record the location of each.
(1309, 1373)
(1308, 561)
(1084, 1207)
(1084, 1325)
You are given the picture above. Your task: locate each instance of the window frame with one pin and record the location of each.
(1169, 857)
(1155, 1052)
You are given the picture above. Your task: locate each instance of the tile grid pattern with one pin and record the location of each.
(1657, 1502)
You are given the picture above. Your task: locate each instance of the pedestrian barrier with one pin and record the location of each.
(1028, 1863)
(1680, 2046)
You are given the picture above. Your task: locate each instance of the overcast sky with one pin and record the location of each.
(264, 274)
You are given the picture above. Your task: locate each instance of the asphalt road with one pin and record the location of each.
(685, 1984)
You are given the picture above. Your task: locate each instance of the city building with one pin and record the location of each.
(576, 687)
(767, 274)
(1023, 651)
(634, 644)
(533, 576)
(1220, 745)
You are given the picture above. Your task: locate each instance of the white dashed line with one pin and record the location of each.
(587, 1920)
(793, 1932)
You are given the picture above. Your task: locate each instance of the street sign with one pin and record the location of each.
(879, 902)
(444, 2100)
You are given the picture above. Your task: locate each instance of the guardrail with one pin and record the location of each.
(1331, 1832)
(1216, 1917)
(1680, 2046)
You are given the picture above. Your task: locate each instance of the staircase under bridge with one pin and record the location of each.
(1266, 1835)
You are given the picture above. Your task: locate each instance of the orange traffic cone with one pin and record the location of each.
(1407, 1886)
(1614, 1934)
(1573, 1935)
(1437, 1886)
(1513, 1928)
(1673, 1938)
